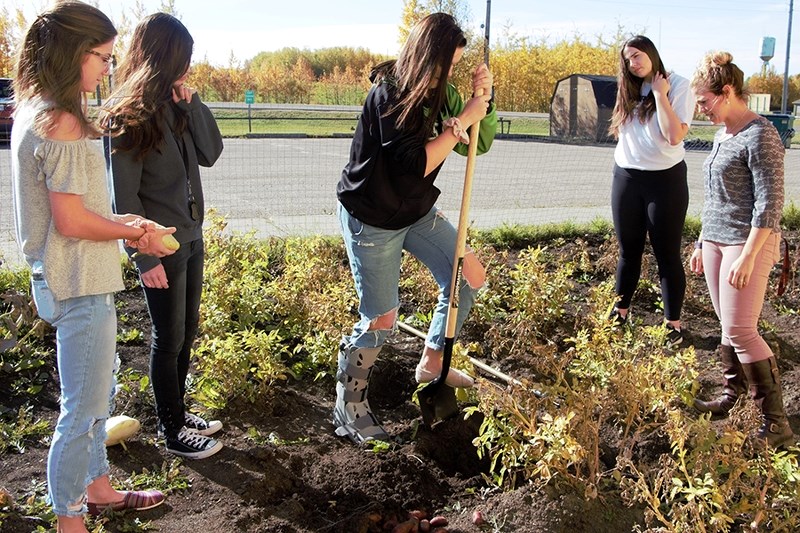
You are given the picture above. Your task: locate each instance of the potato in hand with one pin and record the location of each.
(170, 242)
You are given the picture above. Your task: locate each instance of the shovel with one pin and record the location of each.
(437, 400)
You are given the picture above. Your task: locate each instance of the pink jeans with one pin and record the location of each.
(739, 309)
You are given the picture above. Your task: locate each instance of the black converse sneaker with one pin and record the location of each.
(193, 445)
(617, 319)
(674, 337)
(200, 425)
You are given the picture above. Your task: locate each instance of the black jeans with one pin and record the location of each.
(655, 203)
(175, 314)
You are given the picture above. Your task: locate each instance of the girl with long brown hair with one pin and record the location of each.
(160, 134)
(411, 120)
(69, 236)
(649, 192)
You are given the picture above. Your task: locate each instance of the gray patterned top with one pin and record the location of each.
(72, 267)
(743, 183)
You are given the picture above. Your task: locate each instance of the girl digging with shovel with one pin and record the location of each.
(412, 119)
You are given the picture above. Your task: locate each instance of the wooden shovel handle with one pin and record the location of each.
(461, 235)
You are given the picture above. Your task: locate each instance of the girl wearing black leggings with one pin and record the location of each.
(649, 194)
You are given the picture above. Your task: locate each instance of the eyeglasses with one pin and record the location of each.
(706, 106)
(106, 58)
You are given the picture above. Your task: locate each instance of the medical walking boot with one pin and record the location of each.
(352, 415)
(765, 390)
(733, 384)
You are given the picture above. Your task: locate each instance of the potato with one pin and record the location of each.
(478, 518)
(438, 521)
(120, 428)
(170, 242)
(409, 526)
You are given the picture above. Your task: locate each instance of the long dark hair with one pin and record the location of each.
(50, 60)
(629, 87)
(159, 54)
(425, 60)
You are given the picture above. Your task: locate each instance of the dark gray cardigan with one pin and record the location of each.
(156, 187)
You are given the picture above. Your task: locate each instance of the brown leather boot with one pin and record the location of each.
(765, 390)
(733, 384)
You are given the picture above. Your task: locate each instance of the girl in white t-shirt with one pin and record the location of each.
(649, 193)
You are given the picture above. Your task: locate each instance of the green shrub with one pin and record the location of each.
(270, 309)
(316, 299)
(24, 345)
(21, 428)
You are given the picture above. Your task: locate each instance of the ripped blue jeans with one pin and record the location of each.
(86, 329)
(375, 255)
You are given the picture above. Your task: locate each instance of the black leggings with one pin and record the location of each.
(175, 314)
(650, 202)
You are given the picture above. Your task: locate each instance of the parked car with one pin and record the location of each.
(6, 108)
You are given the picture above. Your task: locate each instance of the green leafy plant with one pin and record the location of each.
(529, 302)
(31, 505)
(271, 309)
(24, 428)
(130, 336)
(712, 480)
(24, 346)
(315, 297)
(243, 364)
(167, 478)
(132, 385)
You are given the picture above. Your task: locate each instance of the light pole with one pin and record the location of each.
(785, 94)
(486, 33)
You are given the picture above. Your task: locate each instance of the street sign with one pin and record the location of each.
(249, 97)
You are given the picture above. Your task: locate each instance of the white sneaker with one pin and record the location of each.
(200, 425)
(193, 445)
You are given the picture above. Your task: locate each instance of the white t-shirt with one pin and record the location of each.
(642, 146)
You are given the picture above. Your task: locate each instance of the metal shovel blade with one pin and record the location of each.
(437, 402)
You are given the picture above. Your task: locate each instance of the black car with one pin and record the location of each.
(6, 108)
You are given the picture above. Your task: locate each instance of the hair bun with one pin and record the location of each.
(721, 58)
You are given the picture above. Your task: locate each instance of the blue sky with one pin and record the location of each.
(683, 30)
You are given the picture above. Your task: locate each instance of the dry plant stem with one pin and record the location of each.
(759, 516)
(483, 366)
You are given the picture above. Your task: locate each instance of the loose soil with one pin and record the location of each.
(305, 479)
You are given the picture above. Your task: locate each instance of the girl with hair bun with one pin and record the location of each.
(740, 239)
